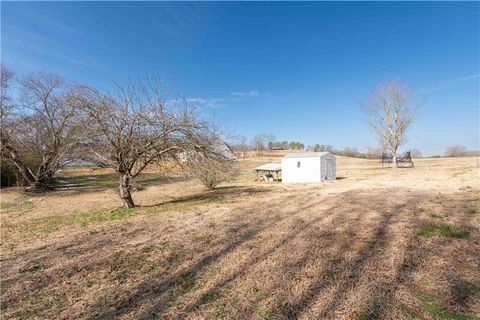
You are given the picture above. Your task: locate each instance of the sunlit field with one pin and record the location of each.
(375, 243)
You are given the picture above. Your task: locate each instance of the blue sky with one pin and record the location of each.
(296, 70)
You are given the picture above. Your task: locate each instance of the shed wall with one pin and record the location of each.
(309, 170)
(325, 173)
(312, 169)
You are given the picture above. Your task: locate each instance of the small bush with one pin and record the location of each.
(9, 174)
(213, 172)
(472, 211)
(444, 230)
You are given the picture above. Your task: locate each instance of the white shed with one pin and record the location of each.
(308, 167)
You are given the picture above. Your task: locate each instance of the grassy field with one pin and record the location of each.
(376, 243)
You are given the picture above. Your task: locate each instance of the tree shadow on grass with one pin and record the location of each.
(183, 286)
(166, 294)
(338, 272)
(167, 289)
(107, 181)
(222, 193)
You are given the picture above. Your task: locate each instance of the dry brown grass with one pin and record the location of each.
(345, 249)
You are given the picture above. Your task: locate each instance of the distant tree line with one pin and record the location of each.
(267, 142)
(264, 142)
(460, 151)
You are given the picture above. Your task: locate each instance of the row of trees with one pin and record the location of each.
(370, 153)
(258, 145)
(59, 123)
(264, 142)
(460, 151)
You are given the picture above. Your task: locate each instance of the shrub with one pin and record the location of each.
(213, 172)
(9, 174)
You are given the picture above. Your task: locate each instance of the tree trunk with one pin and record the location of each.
(394, 160)
(124, 191)
(22, 168)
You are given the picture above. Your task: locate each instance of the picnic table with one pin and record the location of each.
(271, 171)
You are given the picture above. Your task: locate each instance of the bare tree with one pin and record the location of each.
(44, 124)
(135, 127)
(392, 111)
(239, 143)
(416, 153)
(262, 141)
(6, 77)
(214, 167)
(456, 151)
(322, 148)
(374, 152)
(242, 143)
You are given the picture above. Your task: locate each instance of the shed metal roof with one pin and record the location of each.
(269, 167)
(306, 154)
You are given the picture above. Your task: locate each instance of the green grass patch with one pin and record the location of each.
(85, 218)
(207, 297)
(443, 230)
(432, 305)
(20, 204)
(472, 211)
(187, 282)
(462, 290)
(268, 314)
(6, 205)
(54, 222)
(409, 313)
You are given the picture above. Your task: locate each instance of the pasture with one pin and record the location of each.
(376, 243)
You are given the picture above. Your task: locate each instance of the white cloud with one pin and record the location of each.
(252, 93)
(213, 102)
(197, 102)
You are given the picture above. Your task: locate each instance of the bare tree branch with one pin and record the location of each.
(392, 111)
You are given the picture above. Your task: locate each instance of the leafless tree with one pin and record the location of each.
(416, 153)
(212, 172)
(262, 141)
(456, 151)
(134, 127)
(214, 165)
(6, 77)
(43, 124)
(240, 143)
(391, 110)
(374, 152)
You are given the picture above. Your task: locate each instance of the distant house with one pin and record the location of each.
(308, 167)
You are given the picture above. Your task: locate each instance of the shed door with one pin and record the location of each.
(328, 169)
